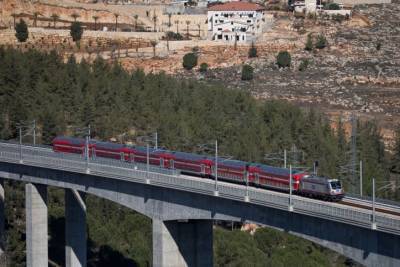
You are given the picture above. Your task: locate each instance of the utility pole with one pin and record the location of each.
(353, 148)
(373, 226)
(156, 142)
(361, 178)
(290, 188)
(216, 193)
(247, 198)
(20, 143)
(87, 149)
(147, 163)
(284, 158)
(34, 132)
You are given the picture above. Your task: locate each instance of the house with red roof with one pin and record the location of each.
(238, 21)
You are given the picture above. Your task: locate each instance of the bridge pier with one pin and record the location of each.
(75, 229)
(36, 225)
(182, 243)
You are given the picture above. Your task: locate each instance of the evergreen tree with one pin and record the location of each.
(252, 51)
(247, 72)
(321, 42)
(395, 159)
(283, 59)
(309, 43)
(21, 31)
(76, 31)
(189, 61)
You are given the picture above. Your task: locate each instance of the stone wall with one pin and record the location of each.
(362, 2)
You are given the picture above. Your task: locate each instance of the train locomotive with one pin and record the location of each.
(236, 171)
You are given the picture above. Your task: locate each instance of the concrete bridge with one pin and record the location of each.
(182, 209)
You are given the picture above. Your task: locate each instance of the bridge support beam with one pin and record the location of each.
(75, 229)
(182, 243)
(2, 217)
(36, 225)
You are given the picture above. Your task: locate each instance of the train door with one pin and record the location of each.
(171, 163)
(132, 157)
(203, 169)
(161, 162)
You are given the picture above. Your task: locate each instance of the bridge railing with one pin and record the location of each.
(137, 172)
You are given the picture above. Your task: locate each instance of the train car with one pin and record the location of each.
(70, 145)
(112, 150)
(274, 177)
(233, 170)
(321, 187)
(192, 163)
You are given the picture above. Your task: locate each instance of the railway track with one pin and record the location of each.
(367, 204)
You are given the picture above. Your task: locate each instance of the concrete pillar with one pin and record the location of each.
(2, 217)
(178, 244)
(75, 229)
(36, 225)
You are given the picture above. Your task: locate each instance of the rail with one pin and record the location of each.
(137, 172)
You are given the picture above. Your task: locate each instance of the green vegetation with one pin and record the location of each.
(252, 51)
(185, 113)
(304, 64)
(332, 6)
(269, 247)
(283, 59)
(321, 42)
(309, 43)
(189, 61)
(247, 72)
(76, 31)
(203, 67)
(174, 36)
(21, 31)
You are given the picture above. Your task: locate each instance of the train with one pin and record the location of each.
(229, 170)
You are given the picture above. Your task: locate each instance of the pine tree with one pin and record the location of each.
(21, 31)
(76, 31)
(395, 159)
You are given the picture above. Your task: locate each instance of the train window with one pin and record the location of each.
(336, 185)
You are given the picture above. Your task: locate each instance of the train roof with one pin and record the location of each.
(152, 150)
(232, 162)
(276, 170)
(188, 156)
(109, 145)
(72, 140)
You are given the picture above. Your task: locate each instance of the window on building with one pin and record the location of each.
(248, 21)
(219, 36)
(219, 29)
(250, 15)
(231, 22)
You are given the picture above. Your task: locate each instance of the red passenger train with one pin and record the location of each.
(194, 164)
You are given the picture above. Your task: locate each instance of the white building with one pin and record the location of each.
(242, 21)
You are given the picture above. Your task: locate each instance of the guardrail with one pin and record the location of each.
(137, 172)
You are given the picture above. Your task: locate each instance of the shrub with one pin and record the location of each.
(247, 72)
(21, 31)
(76, 31)
(304, 64)
(283, 59)
(309, 43)
(174, 36)
(378, 45)
(189, 61)
(321, 42)
(203, 67)
(332, 6)
(339, 18)
(252, 51)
